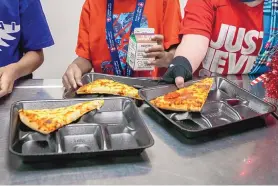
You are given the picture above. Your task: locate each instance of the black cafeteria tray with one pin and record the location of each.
(90, 77)
(227, 105)
(116, 129)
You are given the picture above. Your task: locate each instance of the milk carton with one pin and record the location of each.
(138, 43)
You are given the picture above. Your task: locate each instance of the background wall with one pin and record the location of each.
(64, 28)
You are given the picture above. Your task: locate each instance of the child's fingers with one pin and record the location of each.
(72, 82)
(154, 55)
(158, 48)
(11, 86)
(70, 78)
(179, 82)
(77, 76)
(4, 88)
(66, 82)
(159, 38)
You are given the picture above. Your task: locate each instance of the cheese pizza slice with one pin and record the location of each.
(106, 86)
(188, 99)
(46, 121)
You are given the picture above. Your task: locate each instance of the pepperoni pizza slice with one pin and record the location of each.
(188, 99)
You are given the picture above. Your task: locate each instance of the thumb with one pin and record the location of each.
(179, 82)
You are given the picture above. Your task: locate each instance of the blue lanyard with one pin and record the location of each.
(110, 35)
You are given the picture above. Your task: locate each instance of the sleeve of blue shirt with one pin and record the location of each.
(35, 33)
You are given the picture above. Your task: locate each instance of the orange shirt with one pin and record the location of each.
(235, 31)
(162, 15)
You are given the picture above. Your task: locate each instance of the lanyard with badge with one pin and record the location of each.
(110, 35)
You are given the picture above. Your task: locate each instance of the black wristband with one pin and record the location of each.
(180, 67)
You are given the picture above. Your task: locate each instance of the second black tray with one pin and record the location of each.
(227, 105)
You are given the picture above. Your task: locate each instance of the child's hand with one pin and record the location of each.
(162, 57)
(8, 76)
(72, 77)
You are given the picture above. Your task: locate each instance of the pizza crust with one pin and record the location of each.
(177, 108)
(94, 90)
(33, 125)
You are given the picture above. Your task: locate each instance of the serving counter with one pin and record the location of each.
(232, 157)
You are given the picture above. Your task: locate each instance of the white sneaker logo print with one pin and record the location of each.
(5, 31)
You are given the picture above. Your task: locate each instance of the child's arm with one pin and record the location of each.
(82, 64)
(196, 29)
(29, 63)
(34, 36)
(26, 65)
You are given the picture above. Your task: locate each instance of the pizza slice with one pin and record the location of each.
(188, 99)
(46, 121)
(106, 86)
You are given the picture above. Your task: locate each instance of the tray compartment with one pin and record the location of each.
(40, 147)
(121, 137)
(227, 105)
(84, 138)
(219, 113)
(216, 95)
(113, 112)
(27, 141)
(33, 142)
(245, 112)
(191, 121)
(81, 138)
(246, 98)
(116, 117)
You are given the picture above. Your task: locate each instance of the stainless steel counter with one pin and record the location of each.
(249, 157)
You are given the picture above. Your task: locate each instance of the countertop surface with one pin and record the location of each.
(246, 157)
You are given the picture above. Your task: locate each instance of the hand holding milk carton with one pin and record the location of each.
(139, 41)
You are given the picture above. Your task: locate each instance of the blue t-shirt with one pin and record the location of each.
(23, 28)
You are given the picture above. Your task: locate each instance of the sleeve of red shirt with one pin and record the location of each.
(83, 48)
(198, 18)
(171, 22)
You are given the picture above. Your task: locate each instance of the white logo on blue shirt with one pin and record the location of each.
(5, 31)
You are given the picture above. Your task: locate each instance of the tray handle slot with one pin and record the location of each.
(25, 137)
(236, 101)
(220, 113)
(233, 110)
(106, 140)
(58, 141)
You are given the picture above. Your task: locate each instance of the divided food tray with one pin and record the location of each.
(227, 105)
(90, 77)
(116, 129)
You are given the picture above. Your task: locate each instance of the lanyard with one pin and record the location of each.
(110, 35)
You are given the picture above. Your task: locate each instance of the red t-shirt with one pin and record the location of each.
(235, 31)
(162, 15)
